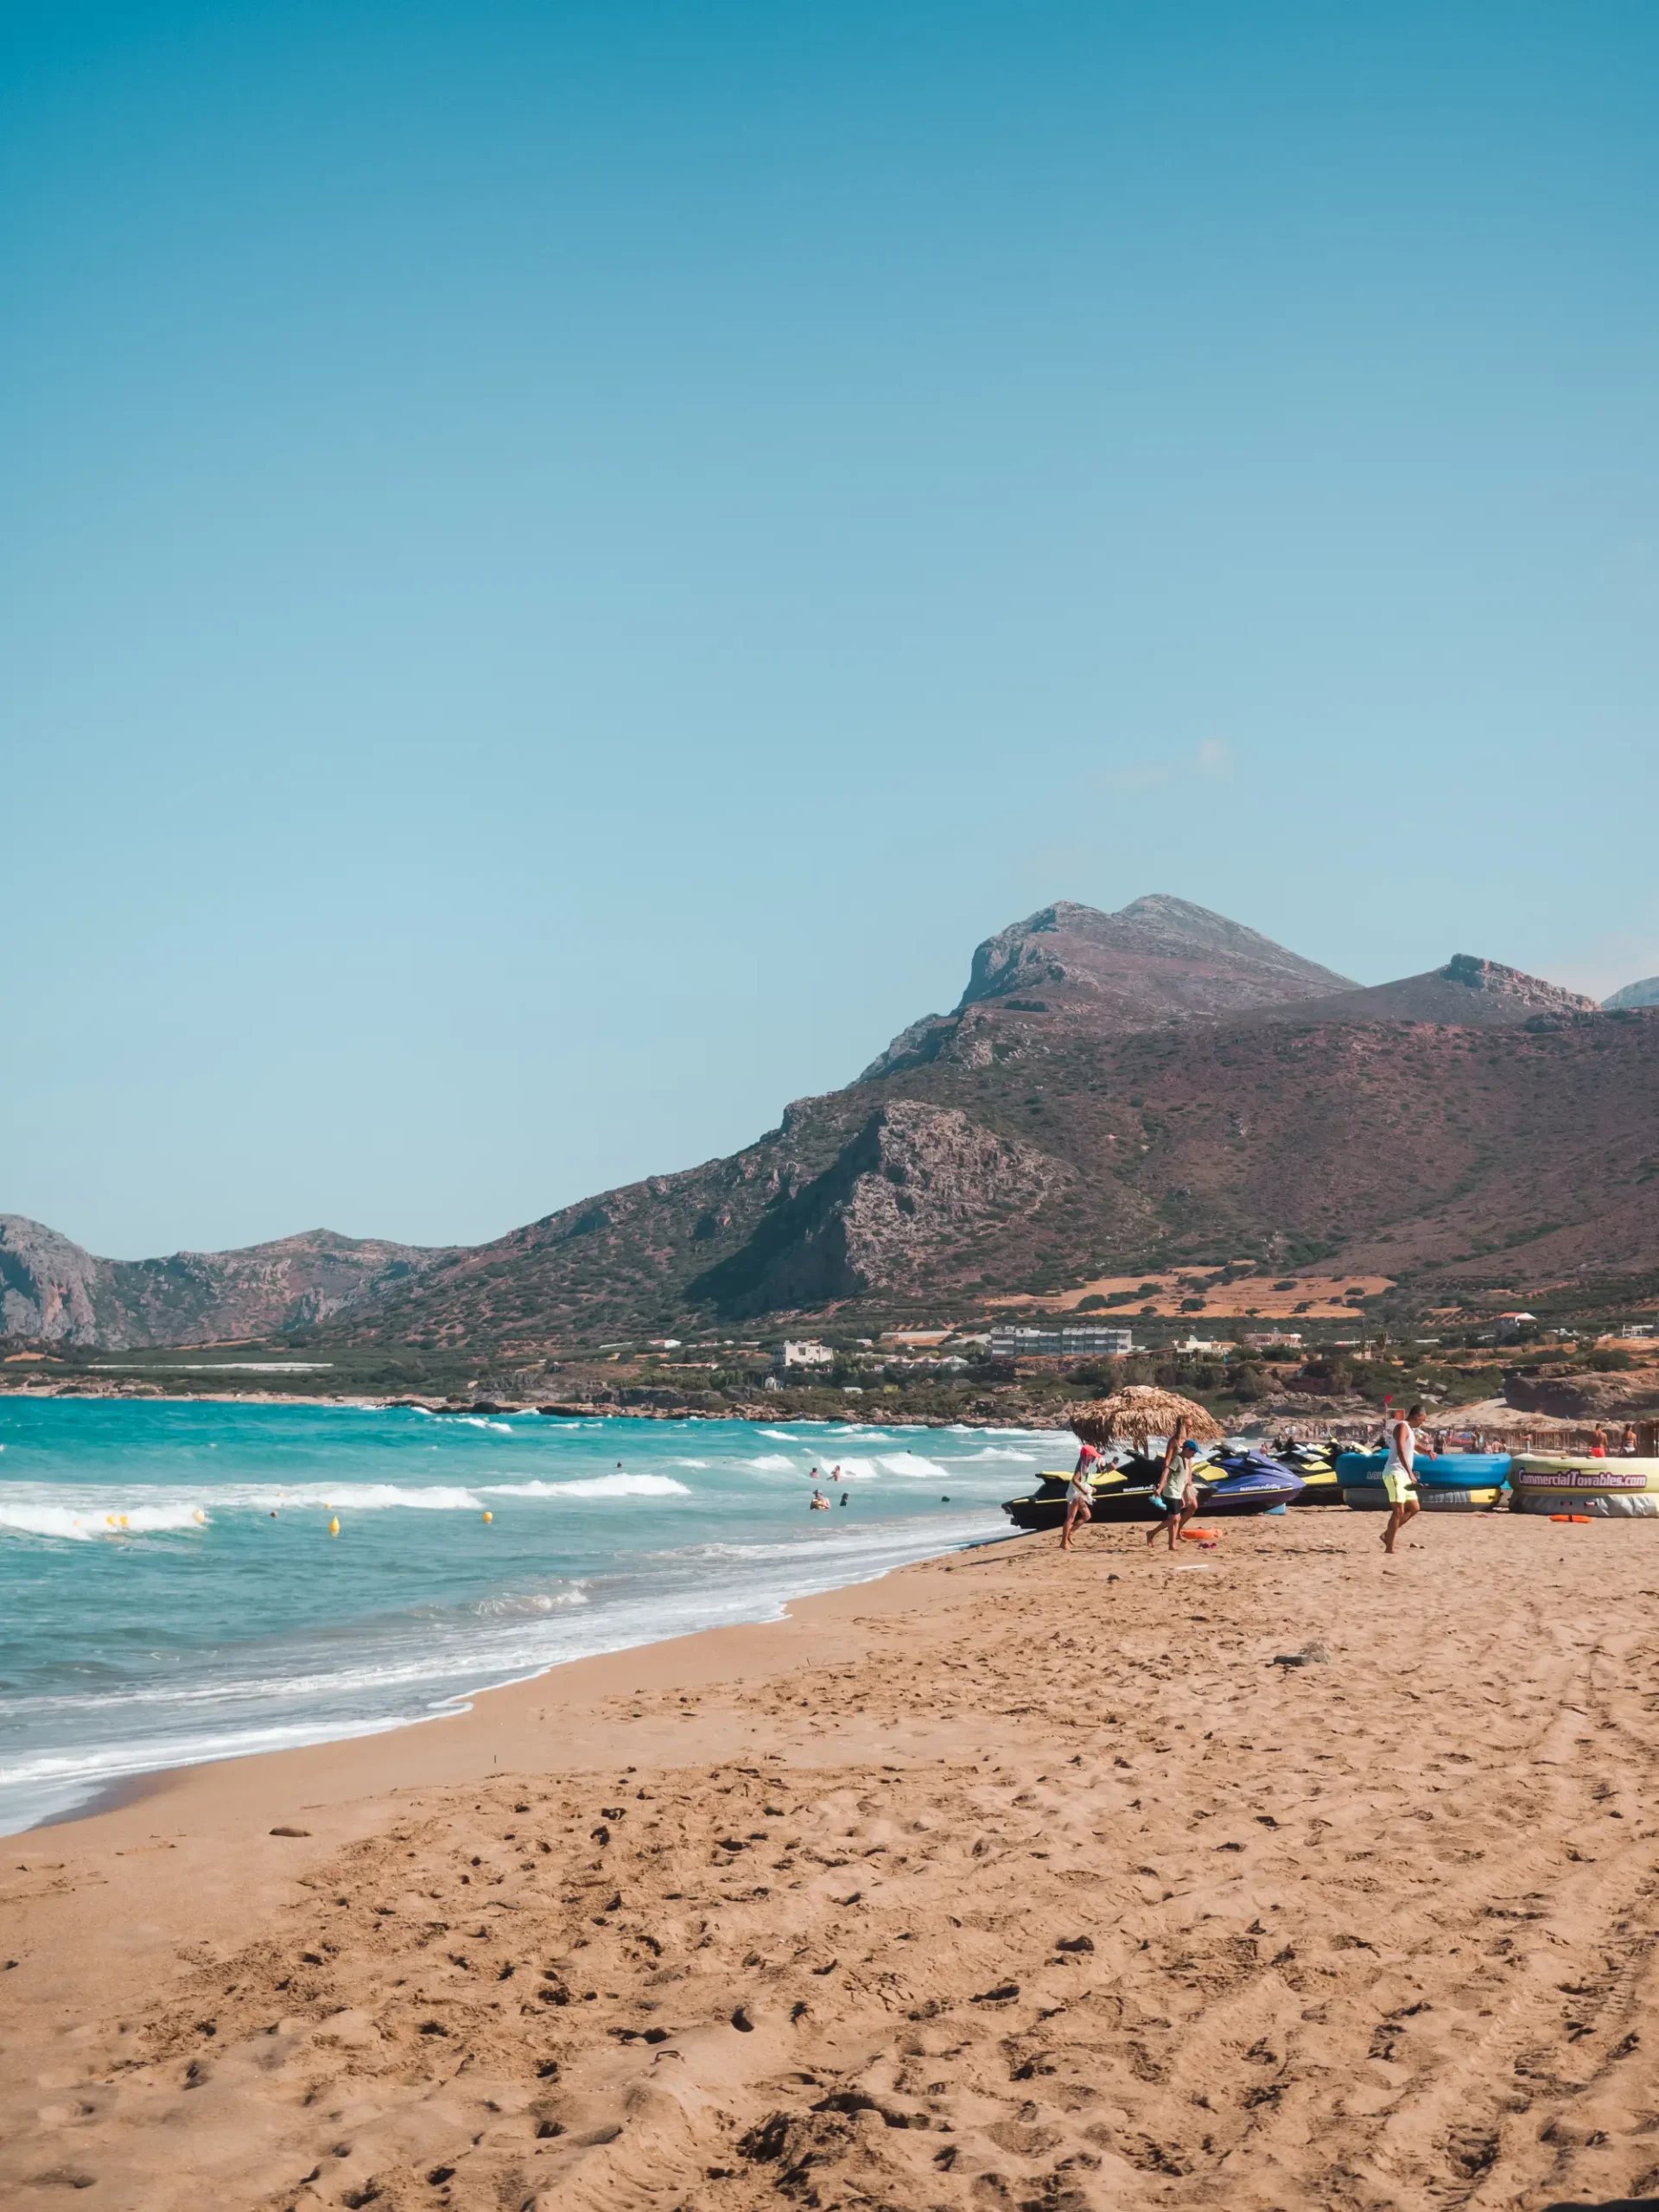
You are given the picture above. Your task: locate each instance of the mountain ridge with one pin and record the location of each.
(1113, 1093)
(53, 1290)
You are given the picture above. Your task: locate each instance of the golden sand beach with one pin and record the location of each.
(1012, 1881)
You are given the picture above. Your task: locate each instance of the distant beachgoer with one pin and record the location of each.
(1399, 1476)
(1178, 1496)
(845, 1495)
(820, 1502)
(1628, 1445)
(834, 1472)
(1598, 1448)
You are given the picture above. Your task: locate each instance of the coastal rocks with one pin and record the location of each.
(1578, 1396)
(913, 1185)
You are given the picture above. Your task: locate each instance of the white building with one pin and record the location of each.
(1510, 1325)
(805, 1353)
(1065, 1342)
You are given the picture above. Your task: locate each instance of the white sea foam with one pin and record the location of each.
(532, 1602)
(691, 1463)
(778, 1436)
(593, 1486)
(357, 1498)
(858, 1471)
(911, 1463)
(80, 1523)
(477, 1421)
(771, 1464)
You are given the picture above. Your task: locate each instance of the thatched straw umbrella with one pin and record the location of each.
(1137, 1413)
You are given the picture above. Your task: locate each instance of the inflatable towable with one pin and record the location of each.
(1607, 1489)
(1371, 1498)
(1456, 1481)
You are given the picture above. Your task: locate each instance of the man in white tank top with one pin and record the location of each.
(1399, 1475)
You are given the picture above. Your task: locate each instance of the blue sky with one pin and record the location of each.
(560, 566)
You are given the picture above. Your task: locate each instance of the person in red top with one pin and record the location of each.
(1079, 1495)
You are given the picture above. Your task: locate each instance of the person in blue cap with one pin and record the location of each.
(1176, 1494)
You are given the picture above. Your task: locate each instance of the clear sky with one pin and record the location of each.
(560, 565)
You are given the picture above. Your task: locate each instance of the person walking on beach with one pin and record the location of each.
(1399, 1476)
(1599, 1447)
(1080, 1496)
(1178, 1494)
(1628, 1446)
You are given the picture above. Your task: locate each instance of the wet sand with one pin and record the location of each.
(1012, 1881)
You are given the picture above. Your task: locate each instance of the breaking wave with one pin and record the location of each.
(593, 1486)
(81, 1524)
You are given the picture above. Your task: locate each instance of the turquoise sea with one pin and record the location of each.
(170, 1591)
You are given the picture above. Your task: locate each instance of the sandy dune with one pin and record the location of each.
(1020, 1883)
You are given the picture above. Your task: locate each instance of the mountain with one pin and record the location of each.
(1116, 1093)
(1157, 959)
(53, 1290)
(1113, 1094)
(1519, 1155)
(1634, 994)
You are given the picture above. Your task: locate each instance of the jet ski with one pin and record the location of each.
(1045, 1507)
(1316, 1464)
(1230, 1484)
(1250, 1476)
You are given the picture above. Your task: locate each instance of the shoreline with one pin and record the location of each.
(752, 1415)
(582, 1679)
(120, 1791)
(1008, 1877)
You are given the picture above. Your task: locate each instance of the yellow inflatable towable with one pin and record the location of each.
(1607, 1489)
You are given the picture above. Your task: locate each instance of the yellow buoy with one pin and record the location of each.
(489, 1516)
(334, 1526)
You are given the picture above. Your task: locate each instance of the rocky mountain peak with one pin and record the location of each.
(1201, 962)
(1159, 957)
(1645, 993)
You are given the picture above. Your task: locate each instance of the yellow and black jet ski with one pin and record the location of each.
(1316, 1465)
